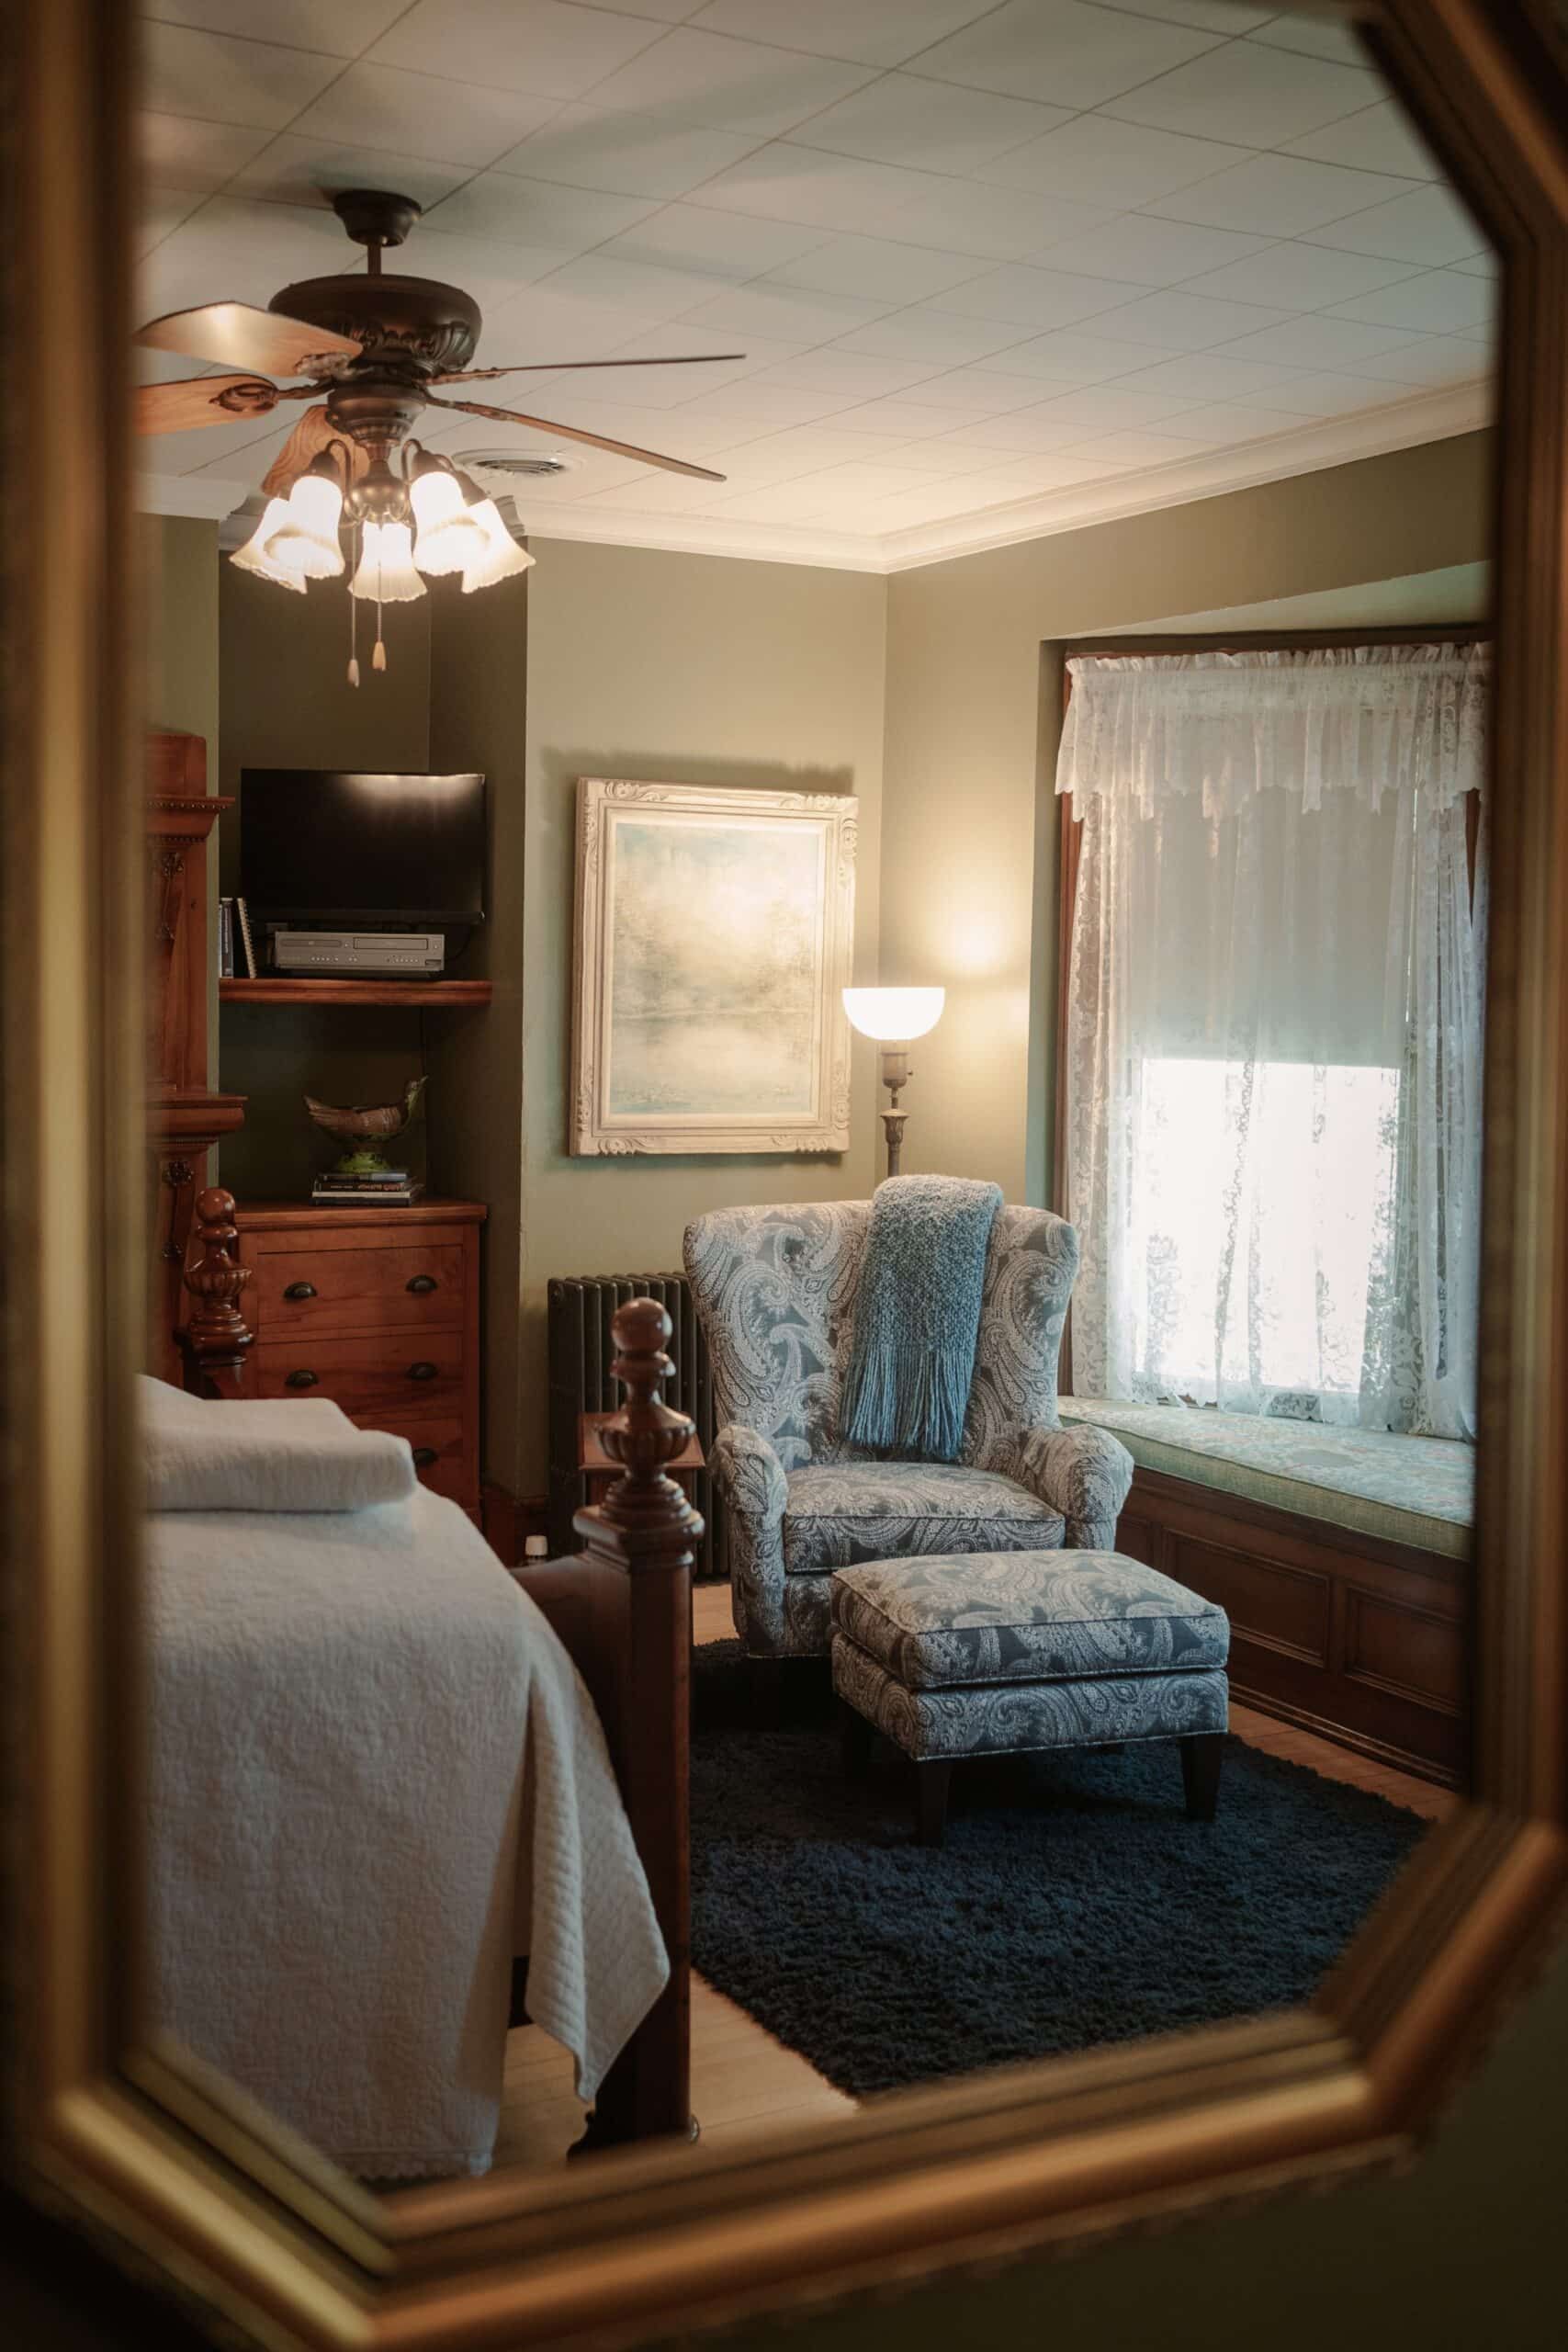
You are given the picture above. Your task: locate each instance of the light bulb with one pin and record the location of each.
(502, 558)
(257, 555)
(448, 537)
(386, 574)
(894, 1015)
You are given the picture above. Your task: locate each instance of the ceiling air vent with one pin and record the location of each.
(501, 467)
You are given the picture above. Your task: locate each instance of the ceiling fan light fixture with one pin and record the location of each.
(503, 559)
(448, 539)
(306, 541)
(257, 557)
(386, 574)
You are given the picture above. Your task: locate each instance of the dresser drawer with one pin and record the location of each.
(381, 1372)
(440, 1453)
(394, 1286)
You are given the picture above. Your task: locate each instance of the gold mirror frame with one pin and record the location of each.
(177, 2172)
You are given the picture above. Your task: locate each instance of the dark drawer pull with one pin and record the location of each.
(300, 1290)
(303, 1380)
(422, 1372)
(421, 1283)
(424, 1455)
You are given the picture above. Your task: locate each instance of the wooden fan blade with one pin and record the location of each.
(547, 367)
(236, 334)
(576, 432)
(308, 438)
(202, 399)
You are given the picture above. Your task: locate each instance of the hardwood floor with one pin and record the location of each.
(742, 2080)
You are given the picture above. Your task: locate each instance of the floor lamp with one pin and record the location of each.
(895, 1017)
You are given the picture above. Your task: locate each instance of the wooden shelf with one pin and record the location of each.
(433, 993)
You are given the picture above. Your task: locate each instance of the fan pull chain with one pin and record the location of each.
(353, 610)
(379, 659)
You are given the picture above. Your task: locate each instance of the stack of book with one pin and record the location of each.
(388, 1188)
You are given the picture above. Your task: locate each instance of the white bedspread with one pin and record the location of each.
(374, 1775)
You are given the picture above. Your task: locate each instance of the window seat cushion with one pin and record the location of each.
(1415, 1490)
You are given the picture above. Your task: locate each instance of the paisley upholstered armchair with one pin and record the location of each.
(775, 1289)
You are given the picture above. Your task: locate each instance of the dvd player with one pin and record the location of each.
(383, 955)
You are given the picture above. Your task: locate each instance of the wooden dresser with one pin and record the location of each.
(377, 1308)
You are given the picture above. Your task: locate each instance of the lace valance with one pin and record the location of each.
(1370, 719)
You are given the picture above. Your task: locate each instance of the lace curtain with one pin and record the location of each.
(1274, 1031)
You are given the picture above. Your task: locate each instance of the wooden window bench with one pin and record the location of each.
(1342, 1556)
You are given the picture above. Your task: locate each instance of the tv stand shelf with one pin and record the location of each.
(432, 993)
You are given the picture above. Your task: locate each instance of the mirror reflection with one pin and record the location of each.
(855, 670)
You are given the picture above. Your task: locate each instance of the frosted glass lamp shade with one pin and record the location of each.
(502, 558)
(449, 538)
(256, 555)
(893, 1015)
(386, 574)
(305, 540)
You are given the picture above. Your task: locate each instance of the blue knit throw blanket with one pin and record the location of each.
(917, 1316)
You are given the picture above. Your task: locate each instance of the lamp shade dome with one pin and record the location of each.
(893, 1015)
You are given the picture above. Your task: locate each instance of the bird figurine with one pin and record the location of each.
(364, 1127)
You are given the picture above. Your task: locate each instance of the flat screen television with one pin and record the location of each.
(323, 847)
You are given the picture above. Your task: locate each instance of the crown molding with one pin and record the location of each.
(1300, 448)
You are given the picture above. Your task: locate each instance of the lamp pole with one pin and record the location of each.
(895, 1076)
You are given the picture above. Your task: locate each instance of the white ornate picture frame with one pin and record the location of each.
(714, 934)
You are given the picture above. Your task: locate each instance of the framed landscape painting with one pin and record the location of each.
(715, 931)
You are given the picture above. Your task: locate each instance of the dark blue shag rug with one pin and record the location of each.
(1073, 1903)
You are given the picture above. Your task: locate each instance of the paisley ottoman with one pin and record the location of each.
(1007, 1653)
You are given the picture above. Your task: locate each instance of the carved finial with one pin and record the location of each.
(216, 1335)
(644, 1514)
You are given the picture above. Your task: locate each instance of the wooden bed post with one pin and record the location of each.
(216, 1335)
(638, 1546)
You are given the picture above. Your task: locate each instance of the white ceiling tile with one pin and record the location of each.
(158, 216)
(902, 420)
(1112, 405)
(770, 407)
(538, 324)
(1209, 15)
(809, 448)
(1148, 253)
(978, 391)
(1426, 224)
(492, 271)
(592, 146)
(1440, 301)
(1002, 224)
(536, 212)
(697, 77)
(1099, 160)
(786, 311)
(866, 478)
(219, 80)
(222, 448)
(193, 157)
(1066, 358)
(1431, 359)
(1316, 343)
(1278, 195)
(1381, 138)
(1223, 422)
(948, 458)
(540, 45)
(787, 502)
(1326, 394)
(876, 266)
(1184, 322)
(930, 125)
(1268, 93)
(1034, 298)
(342, 29)
(408, 114)
(852, 377)
(808, 186)
(1480, 266)
(1201, 376)
(869, 32)
(922, 332)
(1299, 277)
(635, 287)
(666, 387)
(1115, 451)
(230, 251)
(1311, 37)
(306, 171)
(716, 245)
(1061, 52)
(662, 494)
(1024, 430)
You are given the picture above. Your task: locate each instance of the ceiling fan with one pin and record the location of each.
(374, 344)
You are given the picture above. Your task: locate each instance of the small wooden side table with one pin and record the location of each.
(601, 1473)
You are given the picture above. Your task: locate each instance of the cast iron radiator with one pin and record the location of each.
(581, 1354)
